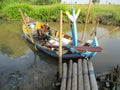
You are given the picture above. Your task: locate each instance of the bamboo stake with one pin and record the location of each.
(60, 47)
(108, 33)
(86, 20)
(64, 78)
(69, 75)
(74, 79)
(80, 75)
(93, 81)
(85, 75)
(31, 37)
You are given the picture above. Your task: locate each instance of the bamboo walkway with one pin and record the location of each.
(78, 76)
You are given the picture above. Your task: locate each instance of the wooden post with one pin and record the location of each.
(86, 20)
(85, 76)
(69, 75)
(80, 75)
(63, 83)
(93, 81)
(60, 47)
(74, 79)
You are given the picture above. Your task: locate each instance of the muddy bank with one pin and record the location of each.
(103, 20)
(109, 80)
(107, 20)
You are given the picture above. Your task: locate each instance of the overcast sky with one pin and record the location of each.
(86, 1)
(112, 1)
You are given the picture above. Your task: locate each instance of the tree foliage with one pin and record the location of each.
(95, 1)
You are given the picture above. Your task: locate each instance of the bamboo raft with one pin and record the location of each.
(78, 76)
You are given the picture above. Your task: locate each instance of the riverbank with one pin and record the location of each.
(104, 14)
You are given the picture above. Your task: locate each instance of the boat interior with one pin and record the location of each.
(48, 37)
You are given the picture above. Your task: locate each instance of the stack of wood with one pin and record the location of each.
(78, 76)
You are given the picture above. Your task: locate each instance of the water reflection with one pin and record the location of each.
(5, 49)
(110, 56)
(11, 42)
(42, 57)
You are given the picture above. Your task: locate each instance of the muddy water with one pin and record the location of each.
(23, 68)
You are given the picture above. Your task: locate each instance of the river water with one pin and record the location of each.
(23, 68)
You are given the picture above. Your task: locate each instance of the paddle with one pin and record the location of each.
(89, 48)
(31, 37)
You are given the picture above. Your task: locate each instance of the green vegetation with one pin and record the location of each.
(95, 1)
(4, 3)
(105, 14)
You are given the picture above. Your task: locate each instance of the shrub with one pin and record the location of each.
(11, 11)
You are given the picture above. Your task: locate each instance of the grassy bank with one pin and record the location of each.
(105, 14)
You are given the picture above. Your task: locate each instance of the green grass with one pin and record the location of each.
(51, 12)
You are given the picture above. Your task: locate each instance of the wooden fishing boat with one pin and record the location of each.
(46, 39)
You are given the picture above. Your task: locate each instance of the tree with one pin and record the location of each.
(95, 1)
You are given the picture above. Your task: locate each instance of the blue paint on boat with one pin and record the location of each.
(92, 54)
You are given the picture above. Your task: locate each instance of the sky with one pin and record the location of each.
(86, 1)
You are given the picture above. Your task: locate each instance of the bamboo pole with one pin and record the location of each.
(93, 81)
(86, 20)
(63, 83)
(80, 75)
(31, 37)
(85, 76)
(69, 75)
(60, 47)
(74, 79)
(108, 32)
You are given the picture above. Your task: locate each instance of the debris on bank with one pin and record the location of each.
(109, 80)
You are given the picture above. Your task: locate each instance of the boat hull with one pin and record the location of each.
(64, 56)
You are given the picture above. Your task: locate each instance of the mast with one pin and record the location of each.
(73, 19)
(74, 29)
